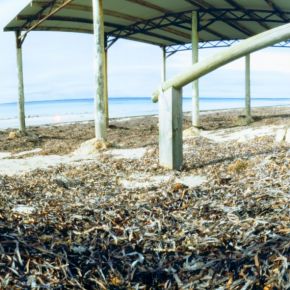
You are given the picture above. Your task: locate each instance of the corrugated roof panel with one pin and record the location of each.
(284, 5)
(172, 5)
(152, 21)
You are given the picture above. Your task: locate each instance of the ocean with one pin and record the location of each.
(62, 111)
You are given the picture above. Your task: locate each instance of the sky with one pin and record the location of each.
(60, 66)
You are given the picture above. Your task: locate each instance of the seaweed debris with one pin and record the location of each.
(77, 227)
(94, 234)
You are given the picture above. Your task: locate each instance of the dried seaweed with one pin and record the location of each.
(86, 231)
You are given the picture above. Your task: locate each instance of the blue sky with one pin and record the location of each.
(60, 66)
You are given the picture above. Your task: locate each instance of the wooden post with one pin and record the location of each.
(195, 84)
(100, 64)
(248, 88)
(21, 100)
(163, 68)
(106, 89)
(170, 129)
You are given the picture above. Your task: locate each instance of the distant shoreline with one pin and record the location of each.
(43, 120)
(136, 98)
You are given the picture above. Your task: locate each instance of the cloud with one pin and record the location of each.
(269, 60)
(266, 60)
(9, 9)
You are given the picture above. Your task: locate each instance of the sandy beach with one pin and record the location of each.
(78, 215)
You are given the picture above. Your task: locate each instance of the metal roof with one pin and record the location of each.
(159, 22)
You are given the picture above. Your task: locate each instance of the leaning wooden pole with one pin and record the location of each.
(100, 67)
(21, 99)
(195, 84)
(208, 65)
(248, 88)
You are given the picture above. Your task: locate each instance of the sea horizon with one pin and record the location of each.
(44, 112)
(142, 97)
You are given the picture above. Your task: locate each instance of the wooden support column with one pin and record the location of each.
(170, 129)
(100, 66)
(195, 84)
(163, 69)
(21, 100)
(248, 89)
(106, 89)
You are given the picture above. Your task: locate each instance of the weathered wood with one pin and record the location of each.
(170, 129)
(195, 84)
(248, 88)
(21, 98)
(106, 89)
(208, 65)
(100, 64)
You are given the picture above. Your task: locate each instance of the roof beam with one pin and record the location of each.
(158, 8)
(42, 19)
(218, 34)
(278, 10)
(149, 5)
(137, 19)
(79, 7)
(128, 33)
(168, 26)
(144, 26)
(59, 18)
(107, 12)
(122, 15)
(234, 4)
(213, 32)
(204, 5)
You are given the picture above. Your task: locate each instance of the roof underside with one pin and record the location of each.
(159, 22)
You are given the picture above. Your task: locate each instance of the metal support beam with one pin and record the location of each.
(204, 5)
(251, 14)
(248, 88)
(21, 102)
(163, 68)
(100, 67)
(51, 13)
(195, 84)
(170, 129)
(278, 10)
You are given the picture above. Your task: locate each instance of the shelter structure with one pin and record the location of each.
(172, 25)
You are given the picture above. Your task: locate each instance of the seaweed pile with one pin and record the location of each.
(78, 228)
